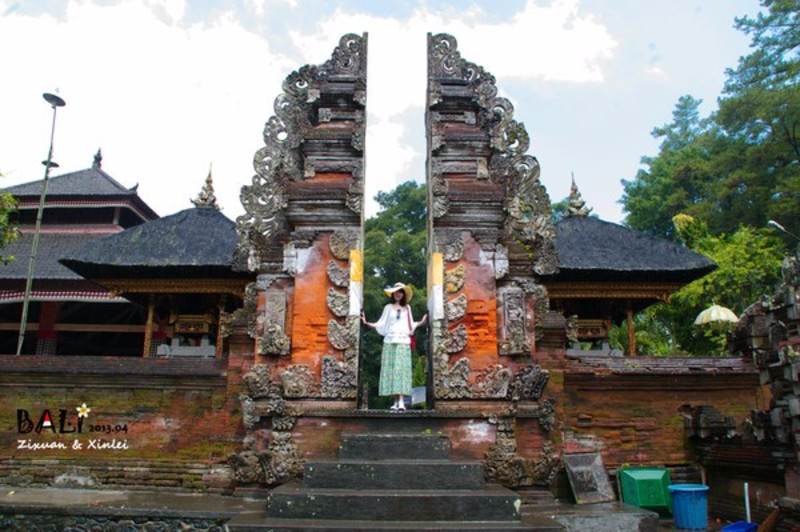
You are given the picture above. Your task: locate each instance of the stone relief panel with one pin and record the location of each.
(338, 303)
(272, 338)
(297, 381)
(338, 275)
(341, 242)
(339, 378)
(504, 466)
(454, 279)
(456, 308)
(514, 337)
(529, 383)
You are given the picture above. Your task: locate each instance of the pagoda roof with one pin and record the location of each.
(590, 249)
(91, 185)
(52, 246)
(197, 242)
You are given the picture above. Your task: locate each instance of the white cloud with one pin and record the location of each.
(162, 102)
(164, 99)
(554, 42)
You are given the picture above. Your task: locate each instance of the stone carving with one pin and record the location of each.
(576, 206)
(338, 275)
(527, 206)
(456, 308)
(454, 279)
(515, 340)
(345, 336)
(453, 382)
(547, 414)
(283, 422)
(283, 459)
(338, 302)
(355, 193)
(529, 383)
(279, 162)
(441, 203)
(341, 242)
(110, 523)
(493, 382)
(339, 379)
(500, 261)
(246, 314)
(454, 248)
(206, 199)
(248, 465)
(304, 238)
(273, 340)
(259, 381)
(456, 339)
(504, 466)
(541, 303)
(249, 416)
(297, 381)
(571, 327)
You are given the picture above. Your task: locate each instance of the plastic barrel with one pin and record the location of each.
(690, 505)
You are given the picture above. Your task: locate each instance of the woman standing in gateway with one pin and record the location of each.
(397, 326)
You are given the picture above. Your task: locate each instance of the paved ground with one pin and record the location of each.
(610, 517)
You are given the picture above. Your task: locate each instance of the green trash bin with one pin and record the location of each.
(645, 487)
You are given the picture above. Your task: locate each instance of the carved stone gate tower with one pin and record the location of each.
(489, 237)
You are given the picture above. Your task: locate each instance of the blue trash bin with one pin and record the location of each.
(690, 505)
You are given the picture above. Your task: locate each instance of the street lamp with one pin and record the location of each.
(55, 102)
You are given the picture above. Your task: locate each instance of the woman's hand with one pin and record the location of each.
(424, 319)
(364, 319)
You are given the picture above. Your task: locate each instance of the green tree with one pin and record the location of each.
(748, 267)
(760, 109)
(679, 179)
(394, 251)
(741, 165)
(9, 231)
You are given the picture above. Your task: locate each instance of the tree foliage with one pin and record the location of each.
(394, 251)
(748, 266)
(741, 165)
(8, 229)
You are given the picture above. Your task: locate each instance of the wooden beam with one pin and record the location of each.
(148, 329)
(631, 331)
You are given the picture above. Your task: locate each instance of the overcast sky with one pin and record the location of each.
(168, 88)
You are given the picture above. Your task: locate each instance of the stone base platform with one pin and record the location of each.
(34, 509)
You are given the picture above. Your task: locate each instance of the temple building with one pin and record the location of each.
(230, 351)
(608, 273)
(68, 314)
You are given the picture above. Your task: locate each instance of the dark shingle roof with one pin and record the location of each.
(52, 246)
(591, 249)
(193, 242)
(90, 182)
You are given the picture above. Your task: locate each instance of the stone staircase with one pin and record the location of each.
(399, 481)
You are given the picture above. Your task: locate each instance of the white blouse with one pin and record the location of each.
(393, 325)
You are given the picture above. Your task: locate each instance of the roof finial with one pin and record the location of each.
(206, 198)
(576, 206)
(98, 159)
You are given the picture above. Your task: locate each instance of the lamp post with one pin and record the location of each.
(55, 102)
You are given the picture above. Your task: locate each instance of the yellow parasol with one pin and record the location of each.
(716, 314)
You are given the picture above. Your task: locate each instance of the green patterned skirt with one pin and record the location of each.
(395, 370)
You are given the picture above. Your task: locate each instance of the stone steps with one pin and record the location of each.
(401, 481)
(317, 525)
(388, 474)
(494, 503)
